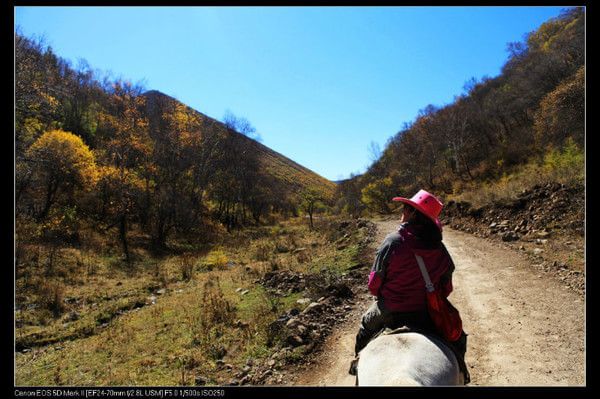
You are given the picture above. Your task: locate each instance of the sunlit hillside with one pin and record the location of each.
(292, 176)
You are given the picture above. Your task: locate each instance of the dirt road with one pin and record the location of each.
(525, 328)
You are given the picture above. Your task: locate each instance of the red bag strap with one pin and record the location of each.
(428, 284)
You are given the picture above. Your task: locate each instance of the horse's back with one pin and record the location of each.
(407, 359)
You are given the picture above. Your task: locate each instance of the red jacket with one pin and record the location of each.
(395, 276)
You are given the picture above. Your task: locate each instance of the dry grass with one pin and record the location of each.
(120, 338)
(564, 165)
(51, 296)
(263, 250)
(187, 266)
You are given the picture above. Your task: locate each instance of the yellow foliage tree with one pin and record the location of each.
(311, 202)
(61, 162)
(378, 194)
(127, 153)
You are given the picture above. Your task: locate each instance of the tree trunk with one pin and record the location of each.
(123, 236)
(468, 170)
(159, 239)
(50, 193)
(21, 187)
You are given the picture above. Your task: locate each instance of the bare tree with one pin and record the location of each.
(374, 151)
(240, 125)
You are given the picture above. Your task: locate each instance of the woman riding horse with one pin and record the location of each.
(395, 278)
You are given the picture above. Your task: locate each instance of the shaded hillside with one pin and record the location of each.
(530, 116)
(293, 176)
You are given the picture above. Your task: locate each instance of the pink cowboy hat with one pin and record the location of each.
(425, 203)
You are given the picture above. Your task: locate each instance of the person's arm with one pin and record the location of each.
(446, 279)
(382, 260)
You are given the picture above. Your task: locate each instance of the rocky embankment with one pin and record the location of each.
(547, 222)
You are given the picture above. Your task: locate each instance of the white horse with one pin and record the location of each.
(408, 358)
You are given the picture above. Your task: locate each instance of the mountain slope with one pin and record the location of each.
(293, 176)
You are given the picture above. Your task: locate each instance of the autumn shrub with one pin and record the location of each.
(187, 263)
(216, 259)
(215, 315)
(215, 309)
(566, 164)
(51, 296)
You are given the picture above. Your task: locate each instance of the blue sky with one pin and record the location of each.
(319, 84)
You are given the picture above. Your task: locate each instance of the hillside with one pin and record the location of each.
(502, 135)
(293, 176)
(91, 150)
